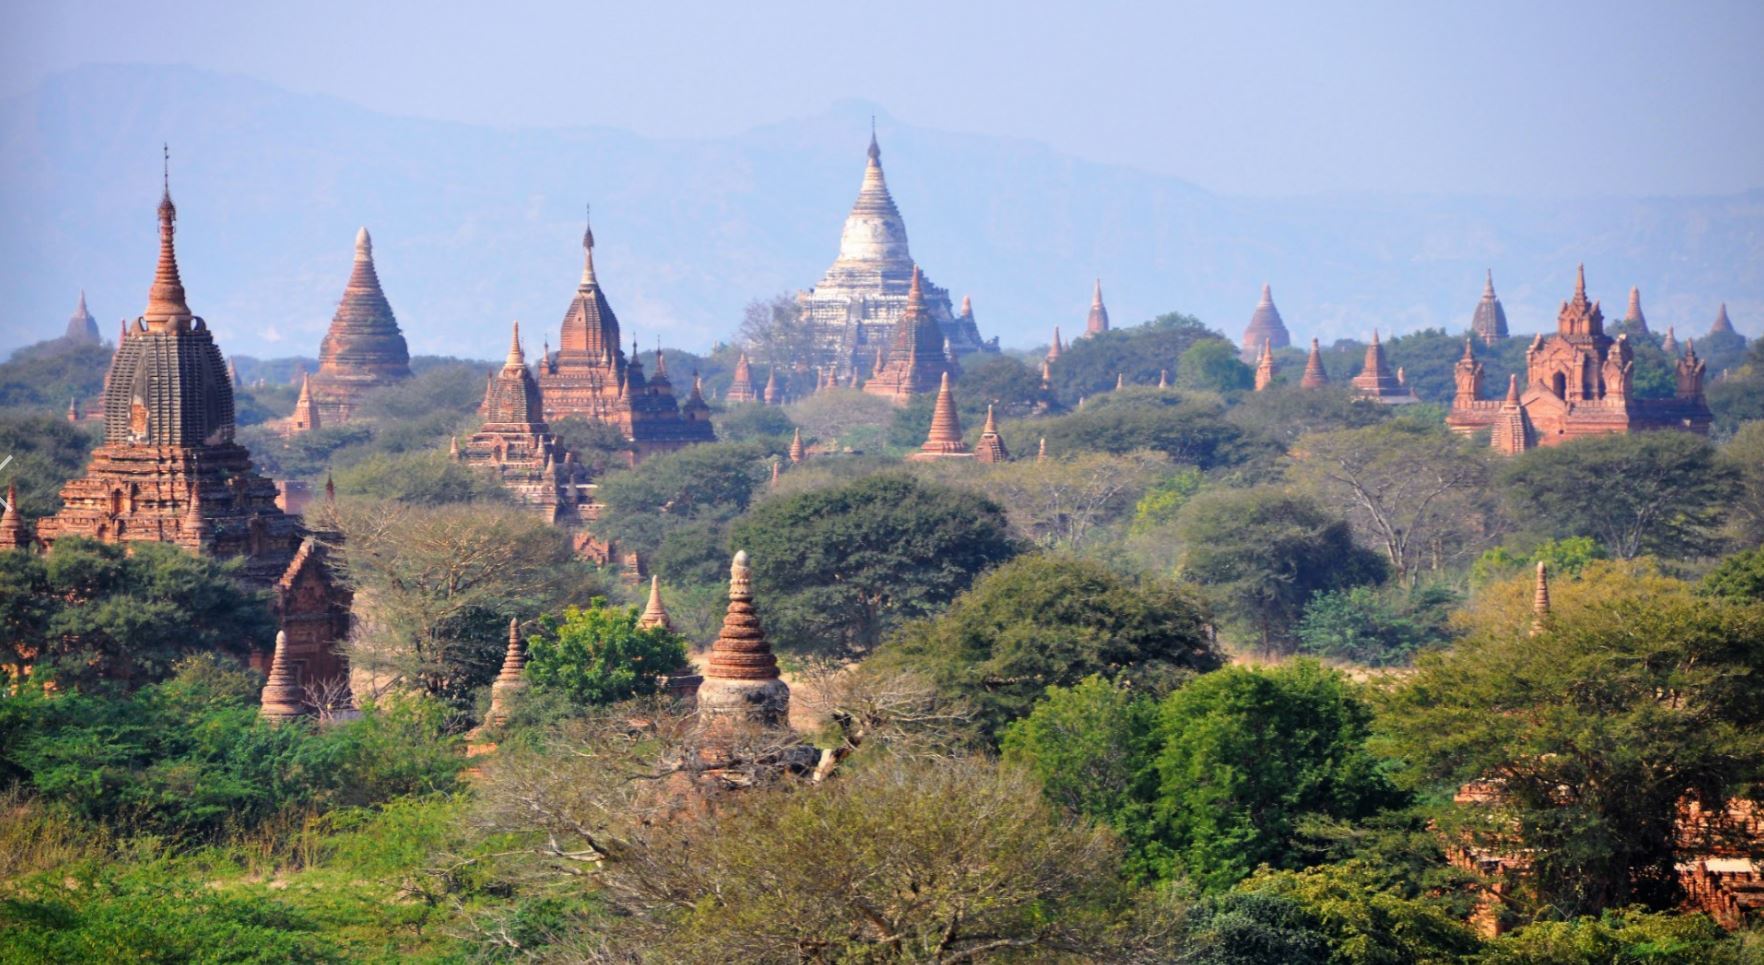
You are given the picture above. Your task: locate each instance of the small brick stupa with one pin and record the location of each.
(1376, 381)
(1265, 325)
(12, 529)
(991, 448)
(1489, 321)
(516, 443)
(282, 699)
(1723, 324)
(306, 417)
(1634, 323)
(364, 348)
(741, 681)
(82, 328)
(1315, 377)
(683, 681)
(1265, 367)
(510, 682)
(741, 386)
(1097, 322)
(915, 362)
(944, 441)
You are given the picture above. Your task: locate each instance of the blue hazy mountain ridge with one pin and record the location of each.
(477, 225)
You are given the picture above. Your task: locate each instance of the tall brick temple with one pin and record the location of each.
(364, 349)
(1577, 383)
(589, 376)
(168, 471)
(915, 362)
(517, 445)
(859, 302)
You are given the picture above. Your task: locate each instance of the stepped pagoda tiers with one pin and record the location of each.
(859, 302)
(1098, 320)
(1722, 322)
(991, 448)
(1265, 367)
(1634, 323)
(82, 328)
(1489, 322)
(1265, 326)
(1315, 377)
(944, 441)
(741, 680)
(1577, 383)
(1375, 380)
(915, 362)
(364, 349)
(282, 697)
(589, 376)
(511, 681)
(741, 386)
(516, 444)
(168, 471)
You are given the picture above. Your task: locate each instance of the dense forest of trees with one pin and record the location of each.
(1201, 685)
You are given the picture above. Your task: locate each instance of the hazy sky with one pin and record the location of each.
(1516, 98)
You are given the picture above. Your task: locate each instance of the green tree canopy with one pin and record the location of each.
(1048, 620)
(1262, 554)
(599, 655)
(1212, 365)
(1661, 493)
(1637, 696)
(98, 615)
(838, 569)
(1377, 628)
(1190, 430)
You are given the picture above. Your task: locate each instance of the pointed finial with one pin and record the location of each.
(1096, 294)
(1267, 294)
(364, 245)
(1468, 354)
(515, 356)
(1512, 390)
(875, 151)
(654, 614)
(1488, 285)
(1375, 336)
(1580, 281)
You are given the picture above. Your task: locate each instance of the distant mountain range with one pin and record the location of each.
(475, 226)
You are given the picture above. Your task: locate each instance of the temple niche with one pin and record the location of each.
(1579, 382)
(858, 303)
(168, 471)
(590, 377)
(363, 350)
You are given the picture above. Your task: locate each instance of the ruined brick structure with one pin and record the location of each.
(915, 362)
(516, 444)
(864, 294)
(364, 349)
(1578, 383)
(168, 471)
(589, 376)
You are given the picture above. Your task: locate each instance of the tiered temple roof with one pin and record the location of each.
(1578, 382)
(915, 362)
(944, 441)
(364, 348)
(1097, 322)
(1489, 322)
(1265, 325)
(590, 376)
(741, 680)
(860, 300)
(516, 443)
(1376, 381)
(169, 471)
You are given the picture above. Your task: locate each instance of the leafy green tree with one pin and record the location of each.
(1567, 556)
(1047, 620)
(1739, 577)
(1247, 754)
(768, 425)
(1363, 625)
(430, 478)
(1212, 365)
(599, 446)
(1409, 487)
(1165, 498)
(51, 374)
(1252, 928)
(1090, 745)
(1189, 430)
(1091, 365)
(1744, 456)
(1003, 380)
(96, 615)
(304, 455)
(1263, 553)
(1361, 923)
(1070, 502)
(1627, 935)
(1660, 493)
(1284, 413)
(1637, 695)
(838, 569)
(46, 452)
(844, 417)
(599, 655)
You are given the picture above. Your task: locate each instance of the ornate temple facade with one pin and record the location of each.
(1489, 321)
(1265, 325)
(515, 443)
(915, 362)
(590, 377)
(860, 300)
(168, 471)
(1577, 383)
(364, 348)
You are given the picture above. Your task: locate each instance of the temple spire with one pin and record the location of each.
(654, 614)
(991, 448)
(167, 309)
(282, 698)
(588, 279)
(1315, 377)
(1540, 600)
(12, 533)
(510, 682)
(797, 452)
(1097, 322)
(945, 437)
(515, 356)
(1722, 322)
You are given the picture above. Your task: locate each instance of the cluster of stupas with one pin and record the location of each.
(872, 287)
(1579, 382)
(168, 471)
